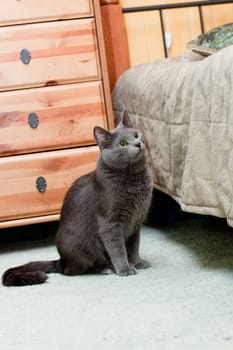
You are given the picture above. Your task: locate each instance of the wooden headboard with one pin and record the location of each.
(115, 39)
(128, 44)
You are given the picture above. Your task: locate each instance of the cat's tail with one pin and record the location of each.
(31, 273)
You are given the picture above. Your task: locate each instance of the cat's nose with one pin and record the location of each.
(138, 145)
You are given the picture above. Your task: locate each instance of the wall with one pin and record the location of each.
(144, 31)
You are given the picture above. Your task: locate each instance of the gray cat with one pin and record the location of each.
(102, 213)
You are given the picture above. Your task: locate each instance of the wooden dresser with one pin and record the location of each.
(53, 91)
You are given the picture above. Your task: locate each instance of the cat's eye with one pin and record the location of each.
(136, 135)
(123, 143)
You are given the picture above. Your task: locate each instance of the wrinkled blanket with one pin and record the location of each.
(185, 110)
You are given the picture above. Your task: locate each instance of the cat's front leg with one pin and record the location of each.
(114, 243)
(132, 246)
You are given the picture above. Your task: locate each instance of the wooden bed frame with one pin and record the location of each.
(115, 39)
(115, 35)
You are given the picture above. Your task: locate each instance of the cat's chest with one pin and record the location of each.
(126, 196)
(133, 197)
(137, 192)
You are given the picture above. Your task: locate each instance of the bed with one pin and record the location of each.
(184, 107)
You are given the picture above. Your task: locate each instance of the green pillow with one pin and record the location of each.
(213, 40)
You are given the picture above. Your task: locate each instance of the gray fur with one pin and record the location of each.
(103, 210)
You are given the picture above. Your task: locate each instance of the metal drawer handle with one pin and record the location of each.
(41, 184)
(33, 120)
(25, 56)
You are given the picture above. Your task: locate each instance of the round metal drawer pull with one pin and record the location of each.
(33, 120)
(41, 184)
(25, 56)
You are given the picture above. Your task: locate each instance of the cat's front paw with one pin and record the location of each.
(107, 271)
(127, 271)
(142, 264)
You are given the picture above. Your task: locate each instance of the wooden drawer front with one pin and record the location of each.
(15, 11)
(61, 52)
(19, 197)
(60, 117)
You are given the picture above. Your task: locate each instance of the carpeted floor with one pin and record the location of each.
(184, 301)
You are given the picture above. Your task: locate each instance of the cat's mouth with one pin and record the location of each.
(140, 146)
(139, 150)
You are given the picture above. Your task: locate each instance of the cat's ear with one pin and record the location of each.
(125, 120)
(101, 136)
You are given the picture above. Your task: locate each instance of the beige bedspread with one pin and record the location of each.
(185, 110)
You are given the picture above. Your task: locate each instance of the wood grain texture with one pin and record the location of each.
(19, 195)
(67, 115)
(29, 221)
(144, 31)
(104, 67)
(144, 37)
(217, 15)
(184, 24)
(61, 52)
(27, 11)
(115, 41)
(109, 2)
(66, 84)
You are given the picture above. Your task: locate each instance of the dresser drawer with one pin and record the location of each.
(48, 54)
(15, 11)
(50, 118)
(21, 175)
